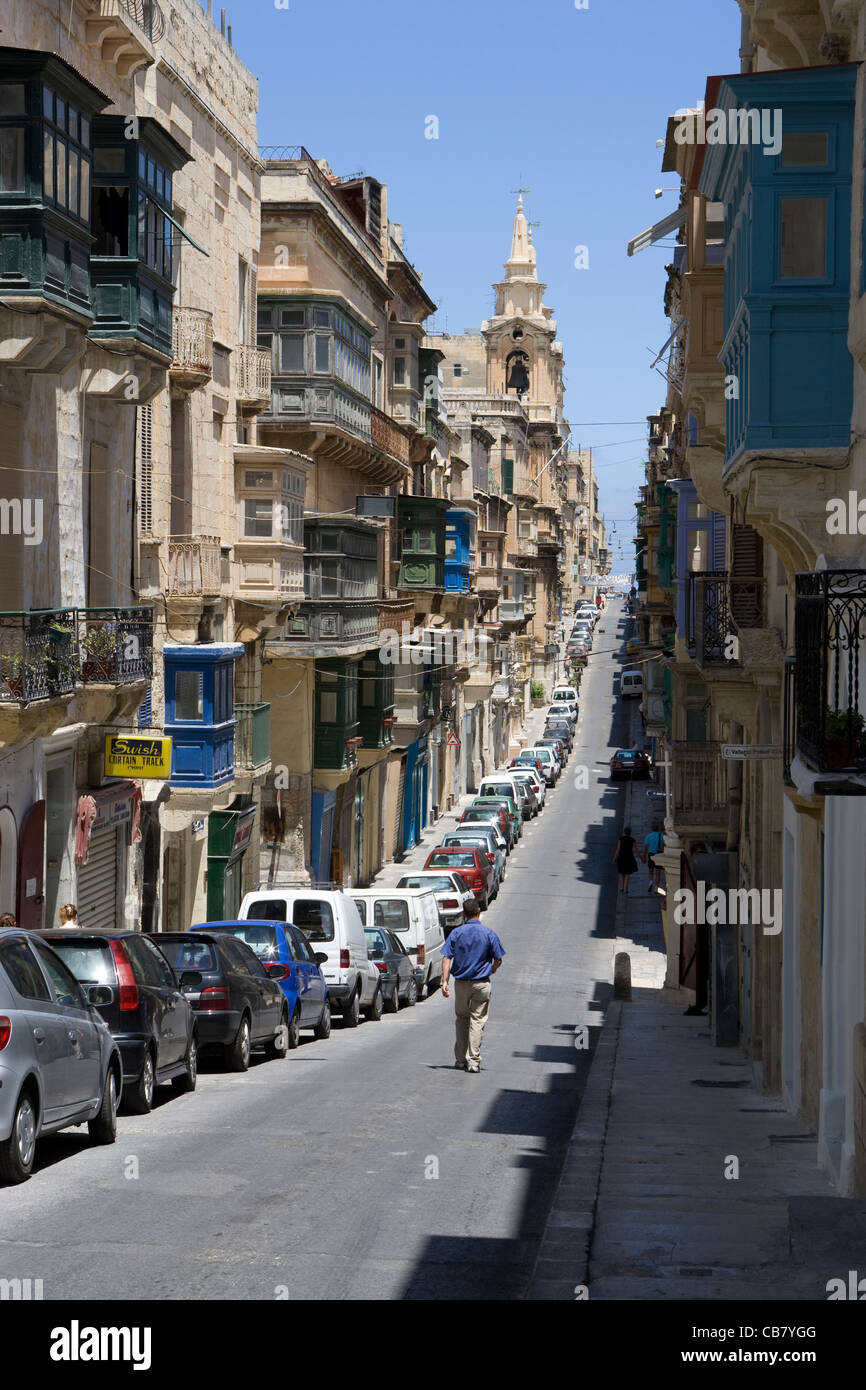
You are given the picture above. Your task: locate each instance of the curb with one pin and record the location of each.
(566, 1245)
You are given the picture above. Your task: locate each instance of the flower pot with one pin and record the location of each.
(840, 752)
(98, 672)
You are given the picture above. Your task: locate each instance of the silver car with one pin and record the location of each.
(59, 1065)
(456, 902)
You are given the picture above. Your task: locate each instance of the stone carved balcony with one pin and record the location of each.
(253, 378)
(124, 33)
(194, 569)
(192, 348)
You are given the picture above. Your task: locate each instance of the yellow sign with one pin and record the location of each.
(128, 755)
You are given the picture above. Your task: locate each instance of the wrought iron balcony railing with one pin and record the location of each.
(116, 645)
(699, 784)
(50, 652)
(828, 709)
(717, 605)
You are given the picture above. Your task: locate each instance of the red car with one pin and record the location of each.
(475, 814)
(474, 866)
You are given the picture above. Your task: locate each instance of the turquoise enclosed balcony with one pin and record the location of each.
(787, 256)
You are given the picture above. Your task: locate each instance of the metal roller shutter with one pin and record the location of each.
(97, 882)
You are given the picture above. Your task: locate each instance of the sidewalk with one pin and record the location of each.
(644, 1209)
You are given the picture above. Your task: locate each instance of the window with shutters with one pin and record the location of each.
(145, 470)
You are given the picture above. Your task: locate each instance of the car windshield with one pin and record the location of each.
(90, 961)
(376, 940)
(189, 954)
(500, 789)
(627, 754)
(261, 939)
(461, 861)
(437, 883)
(478, 815)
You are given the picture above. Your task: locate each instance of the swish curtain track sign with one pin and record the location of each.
(128, 756)
(452, 740)
(748, 752)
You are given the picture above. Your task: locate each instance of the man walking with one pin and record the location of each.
(654, 843)
(472, 953)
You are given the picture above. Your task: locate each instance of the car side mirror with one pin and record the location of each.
(321, 958)
(100, 995)
(277, 970)
(190, 979)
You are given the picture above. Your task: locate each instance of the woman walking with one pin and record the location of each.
(624, 858)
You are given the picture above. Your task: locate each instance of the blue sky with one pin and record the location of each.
(567, 102)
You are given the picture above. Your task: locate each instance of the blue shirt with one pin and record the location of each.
(473, 948)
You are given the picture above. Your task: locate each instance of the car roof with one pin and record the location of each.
(382, 892)
(230, 923)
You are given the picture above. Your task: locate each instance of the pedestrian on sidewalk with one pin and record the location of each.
(68, 915)
(472, 954)
(653, 844)
(624, 859)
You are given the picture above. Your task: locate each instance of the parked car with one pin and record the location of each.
(549, 768)
(288, 958)
(478, 839)
(564, 694)
(525, 759)
(413, 914)
(329, 920)
(471, 864)
(395, 967)
(557, 747)
(148, 1015)
(631, 683)
(560, 728)
(629, 762)
(455, 901)
(238, 1002)
(489, 815)
(59, 1065)
(506, 803)
(562, 711)
(501, 784)
(533, 779)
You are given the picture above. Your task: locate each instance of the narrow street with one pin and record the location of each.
(365, 1166)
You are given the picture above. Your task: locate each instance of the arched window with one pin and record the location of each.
(517, 373)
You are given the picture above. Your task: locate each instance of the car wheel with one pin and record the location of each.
(412, 994)
(278, 1045)
(19, 1150)
(392, 1004)
(483, 903)
(374, 1009)
(138, 1098)
(352, 1011)
(424, 987)
(185, 1084)
(295, 1030)
(238, 1052)
(322, 1030)
(103, 1129)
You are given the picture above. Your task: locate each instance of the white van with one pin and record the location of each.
(631, 682)
(565, 695)
(413, 914)
(330, 921)
(498, 784)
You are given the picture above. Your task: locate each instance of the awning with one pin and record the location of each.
(191, 239)
(653, 234)
(666, 344)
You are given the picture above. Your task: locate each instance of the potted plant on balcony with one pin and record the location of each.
(536, 692)
(844, 737)
(12, 672)
(100, 649)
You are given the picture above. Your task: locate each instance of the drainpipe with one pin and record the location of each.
(747, 48)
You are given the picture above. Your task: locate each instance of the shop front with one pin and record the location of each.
(229, 834)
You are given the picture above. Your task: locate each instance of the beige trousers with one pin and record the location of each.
(471, 1002)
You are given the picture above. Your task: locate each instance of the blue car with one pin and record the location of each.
(281, 943)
